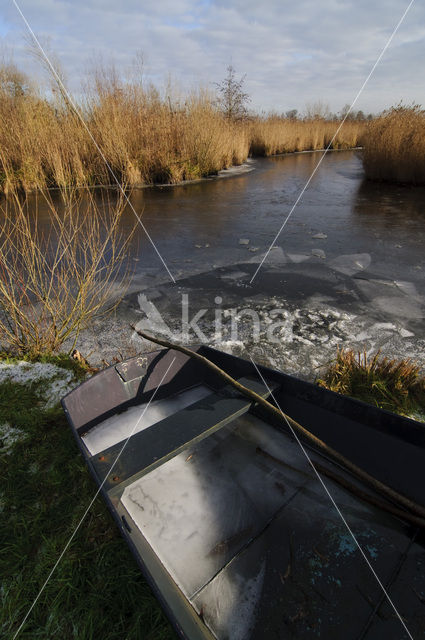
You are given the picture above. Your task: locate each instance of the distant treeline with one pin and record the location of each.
(145, 137)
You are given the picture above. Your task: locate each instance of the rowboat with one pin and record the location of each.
(226, 515)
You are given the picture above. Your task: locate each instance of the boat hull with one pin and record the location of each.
(231, 525)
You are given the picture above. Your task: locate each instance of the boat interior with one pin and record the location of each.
(238, 534)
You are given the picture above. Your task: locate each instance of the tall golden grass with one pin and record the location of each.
(394, 146)
(273, 135)
(144, 137)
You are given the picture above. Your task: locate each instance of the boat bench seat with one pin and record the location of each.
(163, 440)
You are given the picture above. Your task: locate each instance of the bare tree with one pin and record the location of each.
(291, 114)
(232, 99)
(346, 112)
(317, 110)
(51, 66)
(13, 82)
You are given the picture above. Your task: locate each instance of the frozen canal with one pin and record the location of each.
(348, 268)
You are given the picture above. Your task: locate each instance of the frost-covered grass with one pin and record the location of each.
(97, 590)
(50, 381)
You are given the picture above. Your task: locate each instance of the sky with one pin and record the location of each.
(292, 53)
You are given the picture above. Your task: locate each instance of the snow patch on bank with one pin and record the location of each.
(54, 382)
(9, 436)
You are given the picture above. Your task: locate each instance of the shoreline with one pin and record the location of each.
(230, 172)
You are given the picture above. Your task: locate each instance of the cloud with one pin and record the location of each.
(291, 52)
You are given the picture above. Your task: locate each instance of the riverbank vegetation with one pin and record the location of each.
(145, 137)
(394, 146)
(395, 385)
(97, 589)
(274, 134)
(60, 267)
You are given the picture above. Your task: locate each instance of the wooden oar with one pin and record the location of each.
(377, 485)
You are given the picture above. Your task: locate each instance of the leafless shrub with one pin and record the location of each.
(54, 282)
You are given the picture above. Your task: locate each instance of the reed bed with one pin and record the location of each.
(394, 148)
(146, 138)
(276, 135)
(395, 385)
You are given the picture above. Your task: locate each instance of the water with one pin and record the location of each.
(348, 268)
(356, 215)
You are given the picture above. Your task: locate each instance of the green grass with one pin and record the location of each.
(97, 591)
(395, 385)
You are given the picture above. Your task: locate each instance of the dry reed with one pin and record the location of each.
(145, 138)
(394, 148)
(396, 385)
(270, 136)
